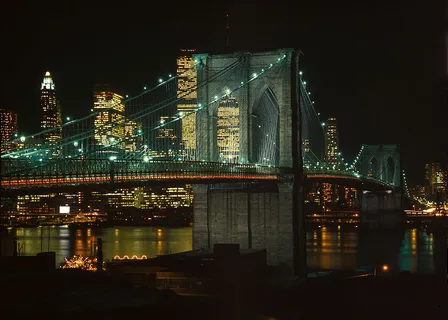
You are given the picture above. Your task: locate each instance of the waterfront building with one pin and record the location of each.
(145, 198)
(47, 204)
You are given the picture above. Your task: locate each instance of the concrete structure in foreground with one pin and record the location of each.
(382, 209)
(254, 216)
(264, 215)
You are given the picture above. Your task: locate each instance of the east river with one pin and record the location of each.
(329, 248)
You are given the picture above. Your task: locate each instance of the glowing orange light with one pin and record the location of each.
(385, 267)
(134, 257)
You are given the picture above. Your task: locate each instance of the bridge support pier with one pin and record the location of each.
(382, 210)
(257, 216)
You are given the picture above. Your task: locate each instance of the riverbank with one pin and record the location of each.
(90, 295)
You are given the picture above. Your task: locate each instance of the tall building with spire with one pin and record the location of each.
(8, 129)
(187, 95)
(331, 144)
(51, 118)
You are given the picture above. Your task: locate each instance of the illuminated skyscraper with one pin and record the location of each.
(331, 144)
(132, 134)
(8, 128)
(228, 134)
(109, 122)
(165, 144)
(436, 179)
(51, 113)
(186, 92)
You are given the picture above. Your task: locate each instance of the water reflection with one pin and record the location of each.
(351, 248)
(331, 247)
(120, 241)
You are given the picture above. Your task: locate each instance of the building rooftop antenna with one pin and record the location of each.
(227, 31)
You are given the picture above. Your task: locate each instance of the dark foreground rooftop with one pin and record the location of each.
(71, 294)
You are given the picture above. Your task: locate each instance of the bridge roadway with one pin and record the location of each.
(18, 174)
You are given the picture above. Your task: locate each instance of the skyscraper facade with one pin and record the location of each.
(109, 123)
(165, 144)
(132, 134)
(228, 134)
(51, 119)
(186, 92)
(8, 128)
(331, 144)
(436, 178)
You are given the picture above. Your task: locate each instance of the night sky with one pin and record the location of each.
(378, 68)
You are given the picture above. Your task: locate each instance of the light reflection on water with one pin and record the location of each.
(327, 247)
(350, 248)
(149, 241)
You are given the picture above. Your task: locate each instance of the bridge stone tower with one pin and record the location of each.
(382, 162)
(261, 215)
(277, 86)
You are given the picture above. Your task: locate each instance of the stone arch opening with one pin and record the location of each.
(265, 120)
(390, 169)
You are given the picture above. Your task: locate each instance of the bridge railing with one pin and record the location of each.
(23, 172)
(347, 173)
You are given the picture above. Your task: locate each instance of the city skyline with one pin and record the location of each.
(377, 116)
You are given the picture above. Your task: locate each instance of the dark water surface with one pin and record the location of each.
(334, 247)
